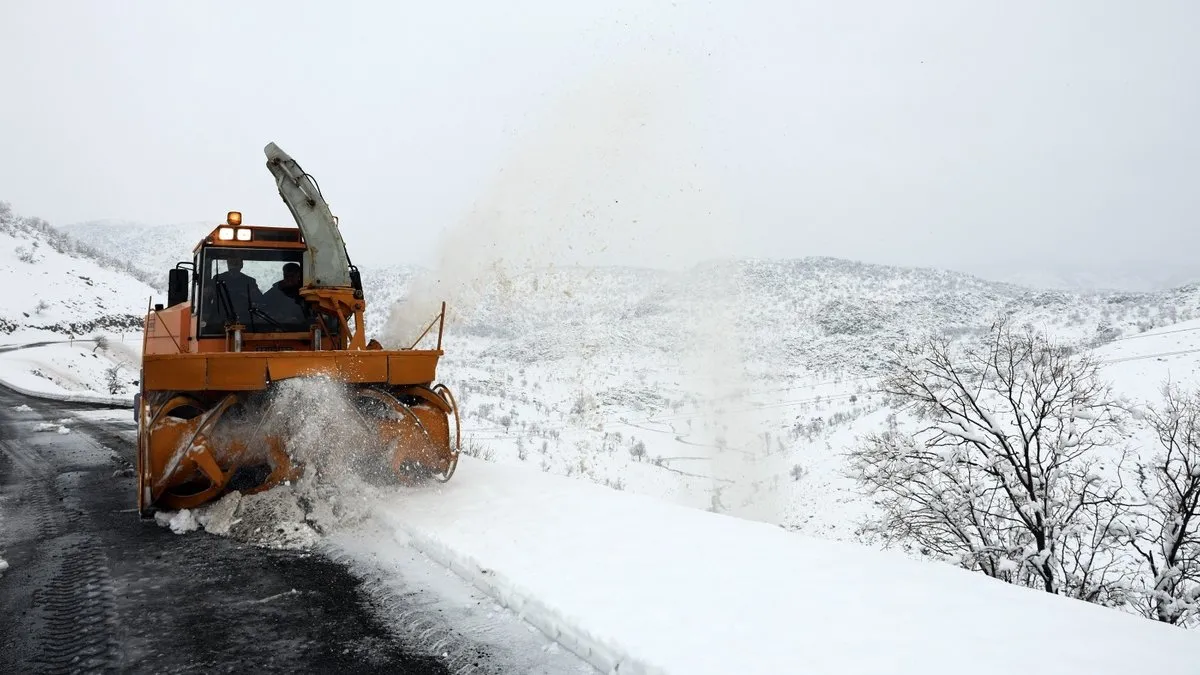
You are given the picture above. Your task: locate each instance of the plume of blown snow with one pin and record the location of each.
(342, 453)
(345, 465)
(612, 176)
(743, 470)
(615, 176)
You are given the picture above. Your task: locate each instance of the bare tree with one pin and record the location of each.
(1004, 473)
(1167, 533)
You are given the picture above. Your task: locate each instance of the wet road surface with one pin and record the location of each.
(91, 587)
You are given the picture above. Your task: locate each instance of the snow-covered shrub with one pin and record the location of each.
(112, 379)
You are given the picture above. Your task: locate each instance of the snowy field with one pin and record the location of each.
(1139, 364)
(641, 586)
(86, 370)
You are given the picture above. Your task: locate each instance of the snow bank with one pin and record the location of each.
(272, 519)
(75, 372)
(41, 392)
(636, 585)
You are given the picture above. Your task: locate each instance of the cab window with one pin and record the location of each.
(248, 286)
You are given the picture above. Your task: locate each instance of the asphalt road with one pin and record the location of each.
(91, 587)
(18, 347)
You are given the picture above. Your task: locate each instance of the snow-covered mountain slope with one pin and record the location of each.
(56, 286)
(1138, 277)
(152, 249)
(1139, 365)
(831, 312)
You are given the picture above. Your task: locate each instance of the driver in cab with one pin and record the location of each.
(243, 288)
(283, 299)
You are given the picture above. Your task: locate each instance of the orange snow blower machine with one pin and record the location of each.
(216, 356)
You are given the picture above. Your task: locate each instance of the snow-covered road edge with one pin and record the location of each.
(101, 399)
(125, 401)
(568, 634)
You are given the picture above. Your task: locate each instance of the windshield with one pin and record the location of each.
(258, 288)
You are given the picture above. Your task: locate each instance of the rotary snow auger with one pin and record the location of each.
(215, 357)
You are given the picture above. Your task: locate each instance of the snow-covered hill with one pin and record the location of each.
(56, 286)
(808, 311)
(1139, 277)
(151, 249)
(636, 585)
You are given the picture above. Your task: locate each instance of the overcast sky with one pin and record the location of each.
(929, 133)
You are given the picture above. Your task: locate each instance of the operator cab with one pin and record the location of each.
(248, 276)
(261, 285)
(258, 288)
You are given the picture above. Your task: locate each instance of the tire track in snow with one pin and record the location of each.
(78, 611)
(73, 613)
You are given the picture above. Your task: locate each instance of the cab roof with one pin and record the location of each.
(254, 236)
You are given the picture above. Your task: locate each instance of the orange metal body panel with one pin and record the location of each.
(248, 373)
(173, 374)
(362, 367)
(168, 330)
(412, 367)
(354, 367)
(245, 371)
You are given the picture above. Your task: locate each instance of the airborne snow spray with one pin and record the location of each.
(614, 177)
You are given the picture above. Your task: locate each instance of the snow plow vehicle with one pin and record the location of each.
(216, 355)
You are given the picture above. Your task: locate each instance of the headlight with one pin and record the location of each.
(225, 233)
(243, 234)
(234, 218)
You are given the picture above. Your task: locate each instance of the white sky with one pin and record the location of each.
(929, 133)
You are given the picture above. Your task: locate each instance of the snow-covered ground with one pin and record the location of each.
(634, 584)
(1138, 365)
(103, 368)
(643, 586)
